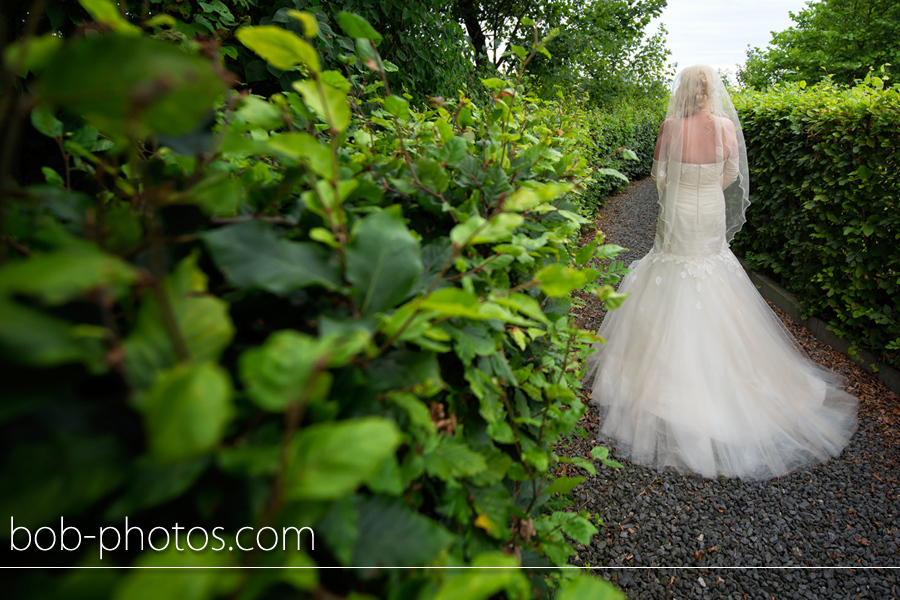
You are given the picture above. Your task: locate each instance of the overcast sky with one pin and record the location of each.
(717, 32)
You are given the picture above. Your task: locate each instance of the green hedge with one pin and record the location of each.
(331, 310)
(632, 125)
(825, 217)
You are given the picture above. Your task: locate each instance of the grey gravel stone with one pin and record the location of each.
(838, 521)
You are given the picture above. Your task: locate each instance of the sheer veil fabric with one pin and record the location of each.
(701, 128)
(697, 373)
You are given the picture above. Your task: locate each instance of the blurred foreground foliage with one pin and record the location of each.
(324, 308)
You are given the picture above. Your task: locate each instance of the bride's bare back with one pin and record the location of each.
(699, 139)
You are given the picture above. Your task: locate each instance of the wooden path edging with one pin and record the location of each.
(787, 302)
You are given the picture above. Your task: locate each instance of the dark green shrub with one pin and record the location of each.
(623, 139)
(825, 216)
(331, 311)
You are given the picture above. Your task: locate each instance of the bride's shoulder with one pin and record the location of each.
(726, 123)
(668, 124)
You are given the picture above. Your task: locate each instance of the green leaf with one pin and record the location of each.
(279, 372)
(608, 251)
(218, 195)
(614, 300)
(300, 572)
(279, 47)
(397, 106)
(53, 178)
(186, 410)
(310, 24)
(369, 56)
(328, 460)
(464, 117)
(493, 82)
(433, 175)
(197, 578)
(563, 485)
(573, 217)
(524, 198)
(251, 255)
(329, 103)
(31, 54)
(585, 253)
(453, 302)
(490, 574)
(538, 458)
(455, 149)
(108, 13)
(526, 305)
(600, 452)
(580, 462)
(387, 479)
(559, 280)
(203, 322)
(499, 228)
(302, 146)
(418, 412)
(391, 534)
(498, 464)
(161, 21)
(63, 275)
(519, 51)
(256, 111)
(586, 586)
(335, 80)
(357, 27)
(28, 336)
(520, 338)
(452, 460)
(383, 261)
(410, 370)
(444, 130)
(134, 86)
(45, 122)
(612, 173)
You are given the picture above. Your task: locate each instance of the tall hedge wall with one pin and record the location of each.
(825, 216)
(605, 135)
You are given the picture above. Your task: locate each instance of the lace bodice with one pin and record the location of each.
(699, 175)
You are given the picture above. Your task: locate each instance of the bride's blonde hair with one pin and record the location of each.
(695, 86)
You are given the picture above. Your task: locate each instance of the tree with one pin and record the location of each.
(841, 38)
(603, 49)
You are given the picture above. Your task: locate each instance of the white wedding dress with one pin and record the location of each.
(697, 372)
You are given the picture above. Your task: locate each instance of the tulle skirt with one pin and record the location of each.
(699, 374)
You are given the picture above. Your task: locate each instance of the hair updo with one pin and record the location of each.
(694, 89)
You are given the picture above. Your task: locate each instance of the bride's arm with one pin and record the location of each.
(730, 171)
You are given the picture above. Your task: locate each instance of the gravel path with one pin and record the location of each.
(844, 513)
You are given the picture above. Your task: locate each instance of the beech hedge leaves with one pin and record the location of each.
(825, 216)
(328, 308)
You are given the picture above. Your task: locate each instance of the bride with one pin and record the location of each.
(697, 372)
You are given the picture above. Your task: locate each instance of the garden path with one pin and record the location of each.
(845, 513)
